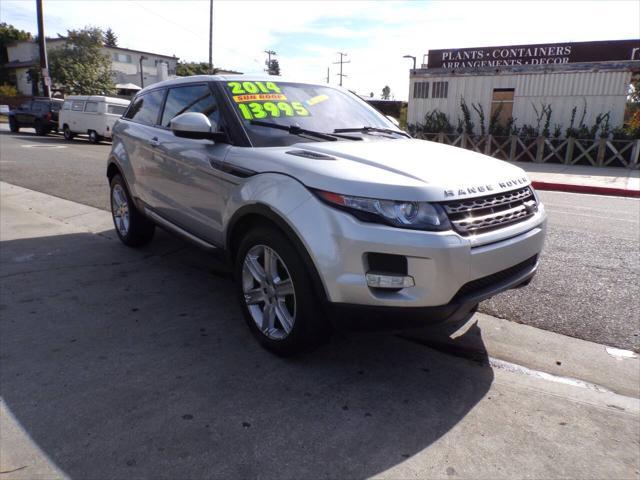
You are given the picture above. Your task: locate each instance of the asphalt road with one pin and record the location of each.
(588, 285)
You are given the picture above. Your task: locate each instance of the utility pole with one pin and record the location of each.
(142, 57)
(269, 53)
(341, 75)
(42, 44)
(210, 37)
(327, 74)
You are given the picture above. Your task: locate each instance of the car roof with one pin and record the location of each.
(225, 78)
(99, 98)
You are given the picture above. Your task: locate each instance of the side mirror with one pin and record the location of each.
(197, 126)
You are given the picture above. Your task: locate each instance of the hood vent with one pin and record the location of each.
(308, 154)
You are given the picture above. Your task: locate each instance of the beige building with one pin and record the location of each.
(125, 65)
(520, 79)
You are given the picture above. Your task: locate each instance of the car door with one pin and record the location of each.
(189, 185)
(23, 115)
(138, 135)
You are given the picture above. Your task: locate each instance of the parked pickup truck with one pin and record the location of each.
(39, 113)
(328, 213)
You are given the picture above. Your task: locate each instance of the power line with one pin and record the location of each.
(341, 75)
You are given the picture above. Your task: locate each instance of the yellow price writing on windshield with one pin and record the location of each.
(255, 110)
(242, 88)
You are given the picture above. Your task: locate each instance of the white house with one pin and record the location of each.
(125, 64)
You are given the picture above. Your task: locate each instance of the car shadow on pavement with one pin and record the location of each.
(124, 363)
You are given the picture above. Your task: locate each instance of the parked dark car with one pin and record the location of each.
(39, 113)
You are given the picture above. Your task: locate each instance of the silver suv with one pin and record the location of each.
(328, 213)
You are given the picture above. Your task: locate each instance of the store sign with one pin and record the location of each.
(542, 54)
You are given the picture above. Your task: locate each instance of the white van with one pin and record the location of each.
(93, 115)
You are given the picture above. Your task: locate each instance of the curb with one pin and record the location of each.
(573, 188)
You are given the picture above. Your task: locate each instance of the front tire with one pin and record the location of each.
(276, 294)
(13, 125)
(132, 227)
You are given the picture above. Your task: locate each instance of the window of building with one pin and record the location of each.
(440, 90)
(122, 57)
(145, 108)
(192, 98)
(77, 106)
(421, 90)
(91, 107)
(116, 109)
(502, 99)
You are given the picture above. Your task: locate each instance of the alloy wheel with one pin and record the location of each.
(120, 209)
(269, 293)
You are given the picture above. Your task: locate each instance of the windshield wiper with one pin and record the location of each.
(371, 129)
(296, 130)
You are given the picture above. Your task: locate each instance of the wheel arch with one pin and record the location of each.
(249, 217)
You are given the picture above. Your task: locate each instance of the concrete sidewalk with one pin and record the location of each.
(135, 363)
(583, 179)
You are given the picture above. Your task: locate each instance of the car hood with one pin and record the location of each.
(402, 169)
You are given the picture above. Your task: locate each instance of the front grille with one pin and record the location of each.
(483, 283)
(491, 212)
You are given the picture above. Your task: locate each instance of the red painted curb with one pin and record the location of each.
(568, 187)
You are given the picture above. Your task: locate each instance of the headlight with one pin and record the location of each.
(413, 215)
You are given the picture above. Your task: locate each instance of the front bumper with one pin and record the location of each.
(441, 263)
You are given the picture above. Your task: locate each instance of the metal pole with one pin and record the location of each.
(327, 74)
(42, 44)
(211, 37)
(142, 57)
(341, 75)
(269, 53)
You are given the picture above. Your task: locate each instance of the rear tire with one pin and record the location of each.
(276, 294)
(94, 137)
(132, 227)
(41, 129)
(13, 125)
(68, 134)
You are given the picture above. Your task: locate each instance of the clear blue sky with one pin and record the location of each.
(307, 35)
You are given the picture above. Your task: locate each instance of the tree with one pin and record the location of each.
(9, 34)
(386, 92)
(110, 38)
(274, 67)
(80, 67)
(186, 69)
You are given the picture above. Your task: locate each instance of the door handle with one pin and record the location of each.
(154, 142)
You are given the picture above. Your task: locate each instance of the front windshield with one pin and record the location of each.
(310, 107)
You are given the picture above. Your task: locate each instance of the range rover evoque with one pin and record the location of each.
(327, 212)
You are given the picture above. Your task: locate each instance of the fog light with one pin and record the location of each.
(378, 280)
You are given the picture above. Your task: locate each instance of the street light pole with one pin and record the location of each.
(414, 60)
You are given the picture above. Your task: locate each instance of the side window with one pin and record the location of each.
(91, 107)
(25, 106)
(55, 106)
(66, 106)
(77, 105)
(116, 109)
(146, 107)
(191, 98)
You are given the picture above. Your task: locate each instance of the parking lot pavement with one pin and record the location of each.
(121, 363)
